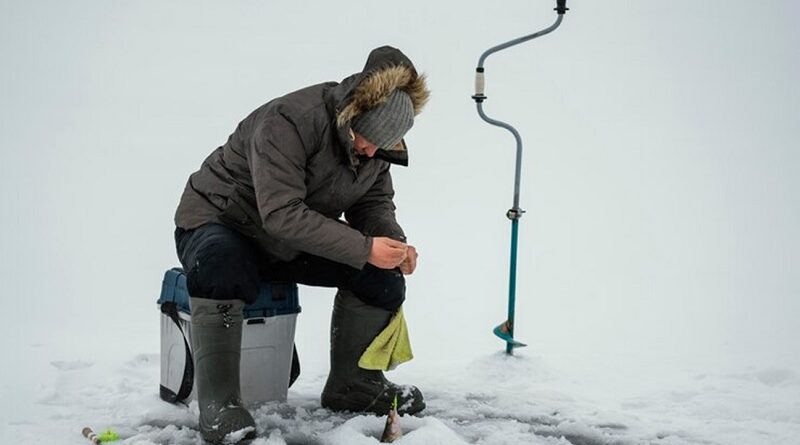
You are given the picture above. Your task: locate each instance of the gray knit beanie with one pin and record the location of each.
(386, 124)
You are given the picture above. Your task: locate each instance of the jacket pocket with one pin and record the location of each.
(243, 217)
(236, 215)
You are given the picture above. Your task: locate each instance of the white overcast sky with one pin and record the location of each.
(660, 170)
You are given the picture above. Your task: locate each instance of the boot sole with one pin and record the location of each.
(343, 404)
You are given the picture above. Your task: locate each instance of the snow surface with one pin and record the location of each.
(493, 399)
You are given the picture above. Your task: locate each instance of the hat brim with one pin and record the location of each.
(398, 155)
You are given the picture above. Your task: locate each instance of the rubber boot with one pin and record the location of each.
(217, 344)
(354, 325)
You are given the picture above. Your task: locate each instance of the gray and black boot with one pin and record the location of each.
(216, 344)
(354, 325)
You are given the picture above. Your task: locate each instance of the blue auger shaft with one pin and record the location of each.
(512, 284)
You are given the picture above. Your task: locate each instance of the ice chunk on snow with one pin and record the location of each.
(237, 436)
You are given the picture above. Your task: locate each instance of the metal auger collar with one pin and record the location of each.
(515, 213)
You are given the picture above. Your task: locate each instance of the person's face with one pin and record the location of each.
(362, 146)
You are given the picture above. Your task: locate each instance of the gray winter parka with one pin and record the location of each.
(289, 171)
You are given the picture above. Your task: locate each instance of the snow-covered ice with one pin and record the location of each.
(491, 399)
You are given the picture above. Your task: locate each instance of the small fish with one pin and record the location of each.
(391, 431)
(89, 434)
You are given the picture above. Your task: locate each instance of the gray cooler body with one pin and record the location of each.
(269, 361)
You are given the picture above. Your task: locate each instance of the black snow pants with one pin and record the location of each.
(222, 264)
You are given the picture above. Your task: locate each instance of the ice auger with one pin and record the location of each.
(505, 330)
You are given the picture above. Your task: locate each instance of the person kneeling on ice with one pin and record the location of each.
(266, 205)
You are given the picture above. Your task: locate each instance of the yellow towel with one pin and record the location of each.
(390, 348)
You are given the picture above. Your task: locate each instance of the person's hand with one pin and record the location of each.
(410, 263)
(387, 253)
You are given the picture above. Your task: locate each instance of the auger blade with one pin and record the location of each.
(503, 330)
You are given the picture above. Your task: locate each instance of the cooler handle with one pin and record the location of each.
(187, 382)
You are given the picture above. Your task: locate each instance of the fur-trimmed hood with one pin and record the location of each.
(387, 69)
(379, 82)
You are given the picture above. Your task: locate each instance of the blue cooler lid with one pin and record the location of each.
(274, 297)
